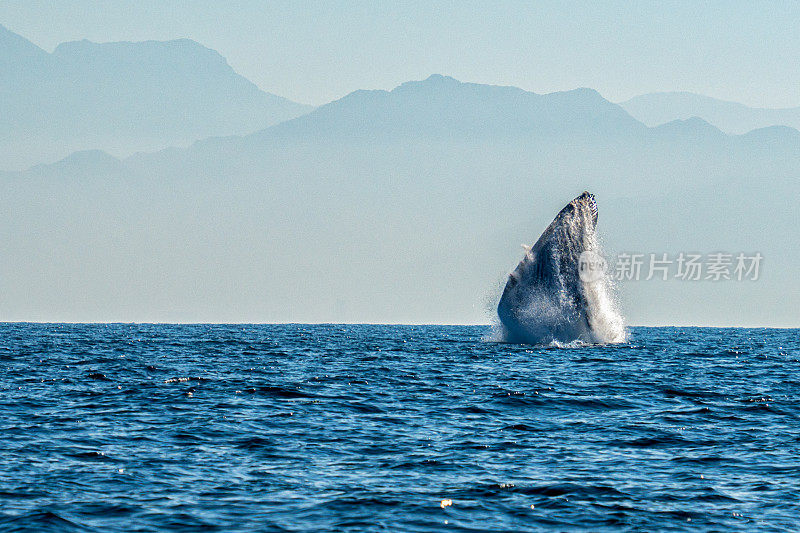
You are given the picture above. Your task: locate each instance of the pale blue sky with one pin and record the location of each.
(313, 52)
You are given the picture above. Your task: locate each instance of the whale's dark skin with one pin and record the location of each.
(544, 299)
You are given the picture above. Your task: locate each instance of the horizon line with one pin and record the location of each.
(450, 324)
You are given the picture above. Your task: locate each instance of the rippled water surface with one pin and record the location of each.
(410, 428)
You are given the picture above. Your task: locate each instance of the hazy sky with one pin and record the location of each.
(314, 52)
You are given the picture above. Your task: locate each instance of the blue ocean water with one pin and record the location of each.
(395, 428)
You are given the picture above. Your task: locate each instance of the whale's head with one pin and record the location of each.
(574, 227)
(580, 211)
(548, 296)
(543, 296)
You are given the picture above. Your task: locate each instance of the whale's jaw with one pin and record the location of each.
(545, 298)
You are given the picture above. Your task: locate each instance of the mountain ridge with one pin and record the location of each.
(442, 105)
(326, 122)
(123, 97)
(296, 223)
(731, 117)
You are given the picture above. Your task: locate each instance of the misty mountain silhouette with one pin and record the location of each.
(122, 97)
(403, 206)
(731, 117)
(443, 107)
(17, 55)
(691, 128)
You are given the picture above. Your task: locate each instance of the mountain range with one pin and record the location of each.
(122, 97)
(406, 205)
(731, 117)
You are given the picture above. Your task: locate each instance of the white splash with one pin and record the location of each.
(605, 319)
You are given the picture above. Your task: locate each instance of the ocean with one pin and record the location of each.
(136, 427)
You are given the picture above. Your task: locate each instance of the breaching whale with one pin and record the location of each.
(548, 298)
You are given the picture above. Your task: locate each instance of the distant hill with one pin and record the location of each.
(122, 97)
(731, 117)
(398, 206)
(443, 107)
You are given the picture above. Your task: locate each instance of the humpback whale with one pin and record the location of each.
(559, 292)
